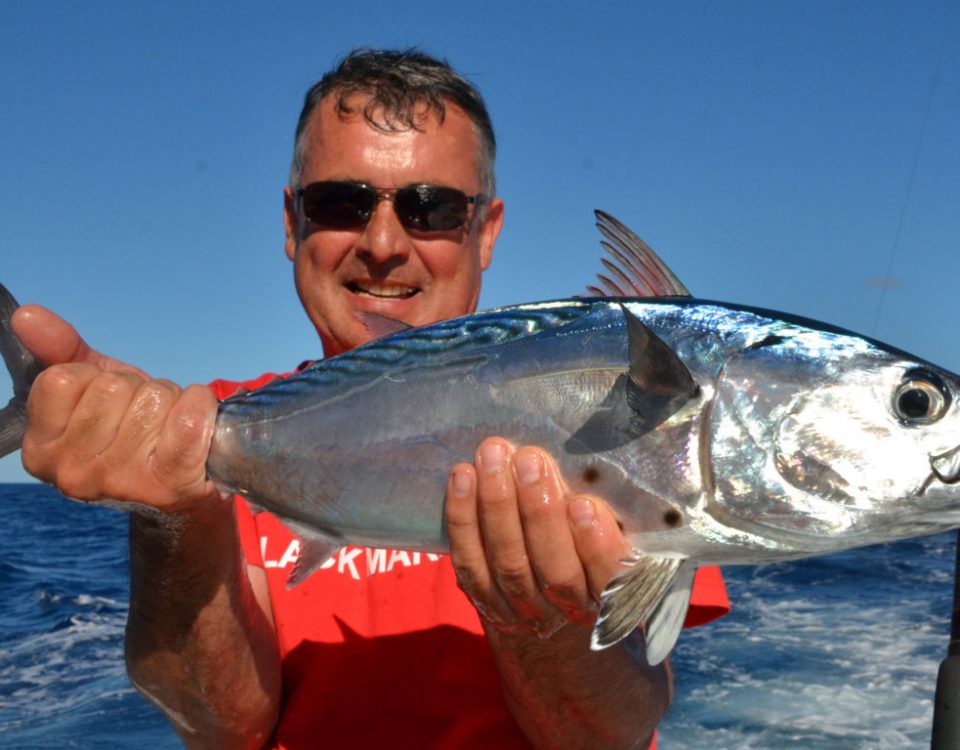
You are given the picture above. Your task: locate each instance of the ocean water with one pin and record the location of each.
(836, 652)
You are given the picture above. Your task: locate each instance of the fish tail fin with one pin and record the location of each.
(653, 592)
(23, 368)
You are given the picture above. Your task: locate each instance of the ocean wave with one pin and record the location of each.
(846, 660)
(838, 652)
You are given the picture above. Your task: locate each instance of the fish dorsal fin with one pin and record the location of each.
(653, 592)
(658, 382)
(634, 270)
(381, 325)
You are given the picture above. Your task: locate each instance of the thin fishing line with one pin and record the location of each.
(913, 170)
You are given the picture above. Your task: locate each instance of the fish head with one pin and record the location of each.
(831, 436)
(879, 436)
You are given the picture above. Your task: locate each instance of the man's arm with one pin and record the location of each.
(199, 644)
(200, 641)
(532, 559)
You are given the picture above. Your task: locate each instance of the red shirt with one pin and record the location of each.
(380, 648)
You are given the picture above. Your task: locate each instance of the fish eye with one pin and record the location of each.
(920, 400)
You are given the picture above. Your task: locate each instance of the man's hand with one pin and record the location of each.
(533, 558)
(98, 428)
(109, 435)
(54, 341)
(527, 553)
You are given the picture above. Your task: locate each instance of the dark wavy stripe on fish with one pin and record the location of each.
(417, 346)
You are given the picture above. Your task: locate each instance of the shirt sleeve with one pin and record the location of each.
(709, 599)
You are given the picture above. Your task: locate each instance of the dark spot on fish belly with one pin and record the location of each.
(672, 518)
(590, 475)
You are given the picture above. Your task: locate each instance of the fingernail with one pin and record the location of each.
(492, 457)
(462, 482)
(582, 513)
(526, 466)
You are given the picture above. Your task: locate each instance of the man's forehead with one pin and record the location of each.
(346, 140)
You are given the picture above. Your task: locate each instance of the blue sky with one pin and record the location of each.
(801, 156)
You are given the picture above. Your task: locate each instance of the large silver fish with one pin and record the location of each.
(720, 434)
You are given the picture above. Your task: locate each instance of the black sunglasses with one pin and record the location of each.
(335, 204)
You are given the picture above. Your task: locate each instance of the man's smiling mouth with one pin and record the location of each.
(382, 291)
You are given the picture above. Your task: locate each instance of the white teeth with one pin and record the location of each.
(390, 291)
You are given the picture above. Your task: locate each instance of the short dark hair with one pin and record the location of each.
(397, 81)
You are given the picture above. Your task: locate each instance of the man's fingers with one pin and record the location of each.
(97, 434)
(146, 413)
(527, 553)
(463, 531)
(180, 458)
(93, 426)
(49, 337)
(502, 529)
(138, 432)
(54, 341)
(53, 398)
(542, 504)
(600, 543)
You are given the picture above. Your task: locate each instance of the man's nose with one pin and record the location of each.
(384, 237)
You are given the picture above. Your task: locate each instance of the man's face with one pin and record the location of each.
(414, 277)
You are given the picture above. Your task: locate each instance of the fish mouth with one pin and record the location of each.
(382, 290)
(947, 466)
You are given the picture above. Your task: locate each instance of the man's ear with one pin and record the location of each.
(489, 231)
(290, 228)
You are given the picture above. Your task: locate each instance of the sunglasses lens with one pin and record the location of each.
(338, 205)
(349, 205)
(431, 208)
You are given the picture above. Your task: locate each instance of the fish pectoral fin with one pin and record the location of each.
(315, 549)
(654, 592)
(658, 381)
(610, 426)
(656, 385)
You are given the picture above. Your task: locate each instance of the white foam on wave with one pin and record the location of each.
(74, 667)
(810, 666)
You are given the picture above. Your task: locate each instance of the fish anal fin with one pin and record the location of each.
(315, 549)
(666, 622)
(659, 382)
(632, 598)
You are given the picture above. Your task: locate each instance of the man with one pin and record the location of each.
(390, 210)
